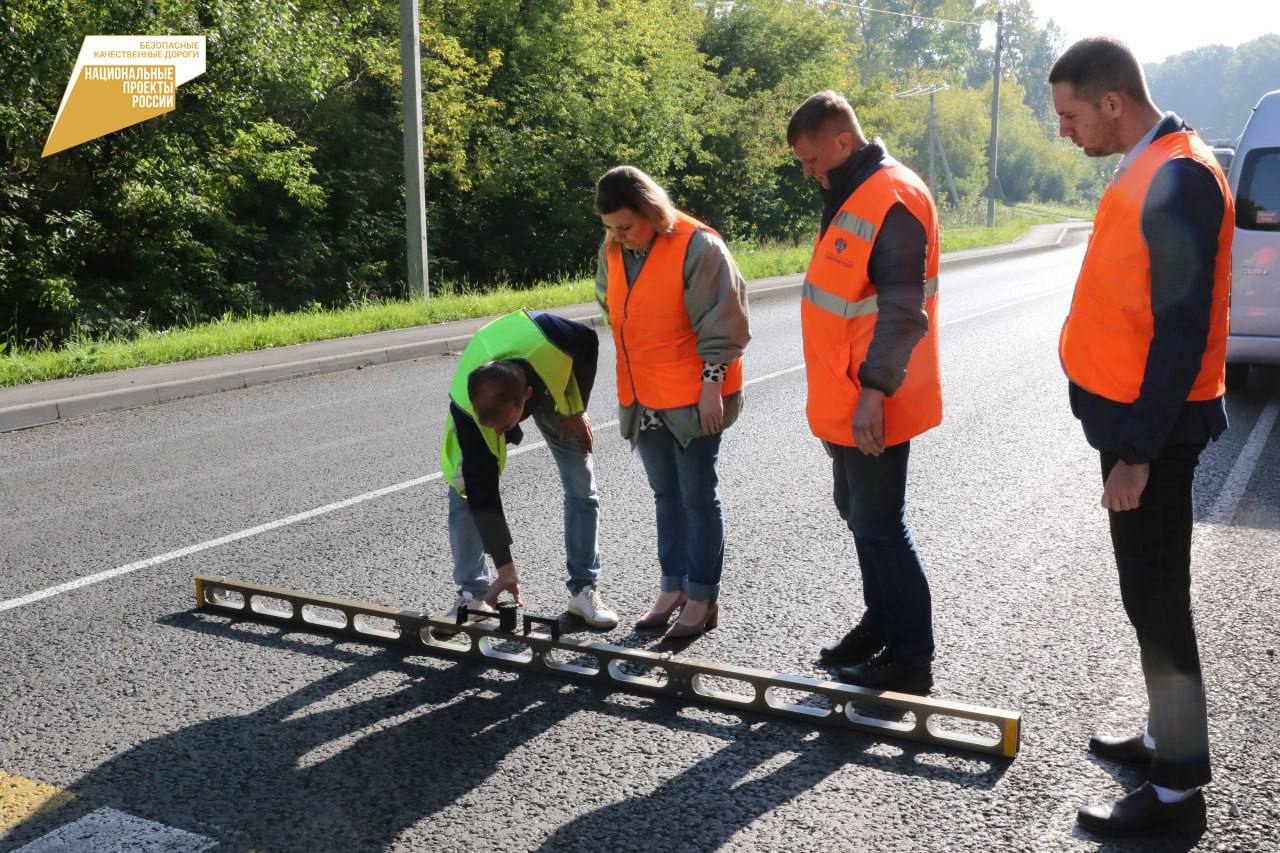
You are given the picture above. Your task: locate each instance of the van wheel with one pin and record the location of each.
(1237, 377)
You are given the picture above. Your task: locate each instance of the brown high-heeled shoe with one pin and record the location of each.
(681, 631)
(656, 620)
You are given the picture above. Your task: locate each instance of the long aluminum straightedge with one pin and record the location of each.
(810, 700)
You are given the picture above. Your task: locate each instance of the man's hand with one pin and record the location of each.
(868, 422)
(1124, 486)
(508, 581)
(711, 408)
(579, 427)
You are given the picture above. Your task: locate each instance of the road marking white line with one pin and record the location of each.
(130, 568)
(1129, 707)
(204, 546)
(1224, 508)
(109, 831)
(942, 325)
(774, 375)
(1014, 304)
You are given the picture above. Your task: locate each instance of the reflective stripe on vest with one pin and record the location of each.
(1106, 337)
(839, 306)
(514, 336)
(855, 225)
(657, 362)
(844, 308)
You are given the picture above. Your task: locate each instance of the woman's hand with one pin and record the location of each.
(711, 408)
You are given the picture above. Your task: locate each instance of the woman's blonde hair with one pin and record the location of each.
(627, 186)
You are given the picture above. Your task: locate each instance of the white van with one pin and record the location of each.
(1255, 254)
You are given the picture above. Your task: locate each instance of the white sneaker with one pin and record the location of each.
(464, 599)
(470, 602)
(588, 604)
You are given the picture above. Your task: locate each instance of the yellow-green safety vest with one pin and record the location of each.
(514, 336)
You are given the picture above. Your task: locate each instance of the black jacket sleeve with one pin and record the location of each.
(897, 266)
(578, 341)
(480, 478)
(1180, 220)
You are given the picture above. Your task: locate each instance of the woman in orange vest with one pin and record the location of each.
(677, 306)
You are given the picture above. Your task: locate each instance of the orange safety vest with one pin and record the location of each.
(838, 313)
(658, 362)
(1107, 334)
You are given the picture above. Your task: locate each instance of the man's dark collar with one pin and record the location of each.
(1171, 123)
(839, 178)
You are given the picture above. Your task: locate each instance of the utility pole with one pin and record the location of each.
(415, 202)
(946, 168)
(933, 140)
(929, 90)
(993, 148)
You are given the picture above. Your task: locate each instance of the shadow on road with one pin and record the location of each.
(1174, 843)
(312, 771)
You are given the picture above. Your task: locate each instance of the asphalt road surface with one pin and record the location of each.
(195, 731)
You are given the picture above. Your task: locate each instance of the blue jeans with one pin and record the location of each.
(471, 571)
(690, 520)
(870, 493)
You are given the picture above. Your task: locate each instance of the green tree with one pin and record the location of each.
(769, 56)
(217, 206)
(1252, 71)
(584, 85)
(1029, 53)
(277, 182)
(898, 39)
(1191, 84)
(1216, 87)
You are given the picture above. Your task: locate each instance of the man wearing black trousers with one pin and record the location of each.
(870, 310)
(1144, 348)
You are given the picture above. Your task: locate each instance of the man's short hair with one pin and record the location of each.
(820, 111)
(495, 386)
(1095, 66)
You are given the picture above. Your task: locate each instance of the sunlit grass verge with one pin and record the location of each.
(241, 334)
(976, 236)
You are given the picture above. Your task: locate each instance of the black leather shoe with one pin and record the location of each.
(882, 672)
(857, 646)
(1130, 751)
(1142, 813)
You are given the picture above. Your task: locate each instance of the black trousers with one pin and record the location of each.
(1153, 554)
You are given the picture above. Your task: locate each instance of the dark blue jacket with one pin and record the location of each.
(1181, 217)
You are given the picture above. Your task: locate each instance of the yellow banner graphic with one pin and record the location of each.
(119, 81)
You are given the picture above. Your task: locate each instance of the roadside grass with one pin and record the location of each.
(229, 334)
(976, 236)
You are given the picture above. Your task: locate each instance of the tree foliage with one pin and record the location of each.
(1216, 87)
(278, 180)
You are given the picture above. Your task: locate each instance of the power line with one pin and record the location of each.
(902, 14)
